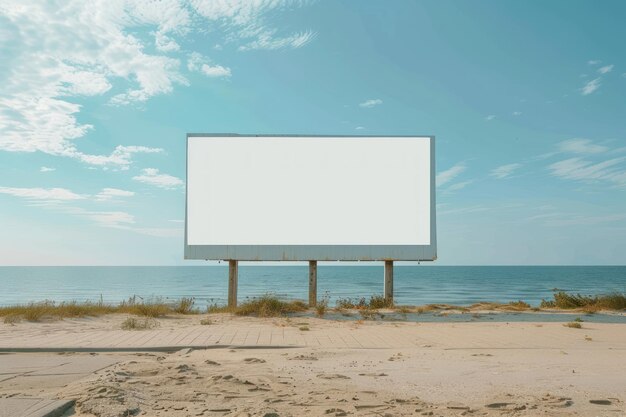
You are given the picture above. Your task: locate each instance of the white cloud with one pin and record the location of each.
(517, 113)
(43, 194)
(459, 185)
(121, 156)
(55, 53)
(606, 69)
(359, 128)
(164, 43)
(199, 63)
(448, 175)
(371, 103)
(267, 40)
(112, 193)
(215, 71)
(505, 171)
(593, 62)
(153, 177)
(591, 86)
(581, 146)
(611, 170)
(114, 219)
(47, 169)
(490, 117)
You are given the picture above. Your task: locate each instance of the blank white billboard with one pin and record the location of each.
(310, 198)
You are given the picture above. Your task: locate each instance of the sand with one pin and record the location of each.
(486, 369)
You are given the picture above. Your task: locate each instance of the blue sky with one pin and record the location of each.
(526, 100)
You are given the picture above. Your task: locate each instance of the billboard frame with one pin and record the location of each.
(315, 252)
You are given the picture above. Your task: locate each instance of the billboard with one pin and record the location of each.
(300, 198)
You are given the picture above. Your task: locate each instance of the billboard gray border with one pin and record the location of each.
(317, 252)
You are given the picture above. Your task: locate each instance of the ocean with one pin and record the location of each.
(414, 285)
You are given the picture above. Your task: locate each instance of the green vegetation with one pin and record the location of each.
(587, 303)
(322, 306)
(73, 309)
(268, 306)
(185, 306)
(375, 302)
(132, 323)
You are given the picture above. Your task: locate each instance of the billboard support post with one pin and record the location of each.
(389, 281)
(312, 283)
(233, 277)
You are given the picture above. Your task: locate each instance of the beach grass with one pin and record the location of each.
(375, 302)
(587, 303)
(268, 306)
(35, 312)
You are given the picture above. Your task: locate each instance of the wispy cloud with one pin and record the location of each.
(268, 40)
(449, 174)
(47, 169)
(359, 128)
(153, 177)
(65, 201)
(591, 86)
(505, 171)
(108, 194)
(459, 185)
(97, 49)
(593, 62)
(42, 194)
(490, 117)
(517, 113)
(581, 146)
(371, 103)
(611, 170)
(606, 69)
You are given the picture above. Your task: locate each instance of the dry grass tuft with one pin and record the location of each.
(132, 323)
(269, 306)
(587, 303)
(574, 325)
(72, 309)
(322, 306)
(185, 306)
(12, 319)
(206, 321)
(375, 302)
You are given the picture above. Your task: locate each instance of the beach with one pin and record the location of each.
(246, 366)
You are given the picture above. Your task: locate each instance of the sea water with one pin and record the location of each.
(414, 285)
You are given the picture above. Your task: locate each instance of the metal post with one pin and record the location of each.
(312, 283)
(389, 281)
(232, 283)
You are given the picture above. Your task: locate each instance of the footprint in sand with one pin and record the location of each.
(210, 362)
(254, 360)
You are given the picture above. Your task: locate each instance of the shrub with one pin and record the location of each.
(185, 306)
(322, 306)
(574, 325)
(378, 301)
(132, 323)
(269, 306)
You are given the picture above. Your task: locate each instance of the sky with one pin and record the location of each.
(526, 101)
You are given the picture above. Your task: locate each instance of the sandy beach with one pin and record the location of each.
(239, 366)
